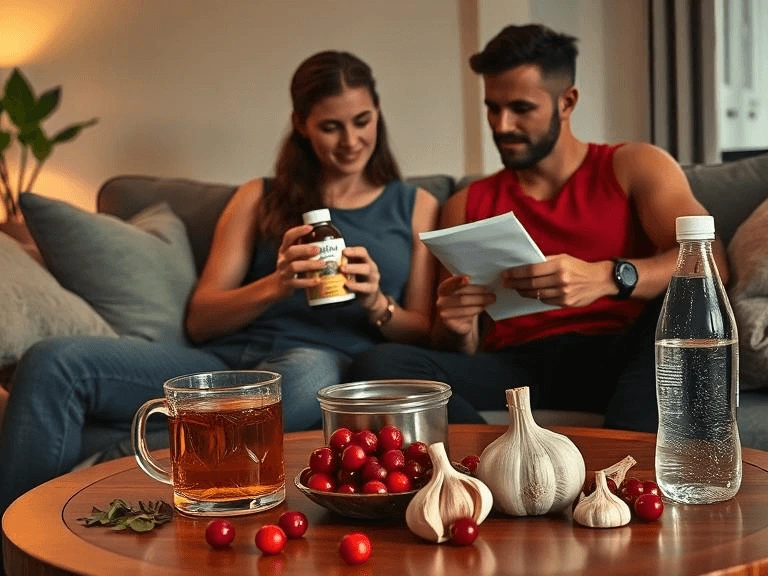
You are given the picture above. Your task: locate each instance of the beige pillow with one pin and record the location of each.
(748, 293)
(33, 305)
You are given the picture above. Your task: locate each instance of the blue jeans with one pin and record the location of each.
(63, 386)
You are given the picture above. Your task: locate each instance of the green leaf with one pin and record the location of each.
(70, 132)
(121, 516)
(41, 146)
(45, 105)
(5, 140)
(19, 100)
(27, 134)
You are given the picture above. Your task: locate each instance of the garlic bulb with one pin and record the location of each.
(602, 508)
(448, 496)
(529, 469)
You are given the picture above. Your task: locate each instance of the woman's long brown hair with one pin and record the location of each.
(297, 184)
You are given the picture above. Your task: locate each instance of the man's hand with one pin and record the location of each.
(459, 303)
(562, 280)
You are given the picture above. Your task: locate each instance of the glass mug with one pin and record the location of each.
(226, 442)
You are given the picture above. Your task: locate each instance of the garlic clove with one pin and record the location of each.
(602, 508)
(448, 496)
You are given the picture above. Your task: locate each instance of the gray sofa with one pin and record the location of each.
(731, 192)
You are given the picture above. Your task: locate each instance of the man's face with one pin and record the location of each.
(523, 116)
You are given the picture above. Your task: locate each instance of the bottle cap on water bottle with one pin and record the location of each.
(695, 228)
(315, 216)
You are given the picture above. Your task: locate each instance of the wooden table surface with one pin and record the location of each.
(41, 534)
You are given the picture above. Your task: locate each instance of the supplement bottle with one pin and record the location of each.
(698, 452)
(324, 235)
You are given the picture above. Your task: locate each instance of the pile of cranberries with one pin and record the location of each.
(366, 462)
(642, 496)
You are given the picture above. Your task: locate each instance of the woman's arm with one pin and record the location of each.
(220, 304)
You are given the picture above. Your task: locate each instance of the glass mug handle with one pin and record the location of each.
(139, 439)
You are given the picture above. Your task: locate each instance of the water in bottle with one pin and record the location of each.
(698, 452)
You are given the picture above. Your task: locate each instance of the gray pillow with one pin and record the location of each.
(137, 275)
(748, 293)
(33, 305)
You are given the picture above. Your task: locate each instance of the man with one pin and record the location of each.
(604, 216)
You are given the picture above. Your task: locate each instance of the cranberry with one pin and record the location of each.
(219, 533)
(471, 463)
(417, 451)
(347, 488)
(271, 539)
(373, 471)
(630, 489)
(355, 548)
(648, 507)
(340, 439)
(348, 476)
(374, 487)
(367, 440)
(415, 472)
(463, 532)
(390, 438)
(398, 482)
(293, 523)
(321, 482)
(393, 460)
(323, 460)
(353, 457)
(650, 487)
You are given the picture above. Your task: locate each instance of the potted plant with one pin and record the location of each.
(25, 113)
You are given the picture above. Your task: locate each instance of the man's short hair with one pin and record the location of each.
(554, 53)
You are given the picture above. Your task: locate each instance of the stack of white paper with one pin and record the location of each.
(482, 250)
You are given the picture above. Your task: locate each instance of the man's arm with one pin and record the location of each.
(659, 191)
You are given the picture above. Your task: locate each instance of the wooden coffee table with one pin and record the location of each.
(41, 534)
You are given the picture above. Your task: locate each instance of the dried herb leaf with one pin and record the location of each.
(120, 515)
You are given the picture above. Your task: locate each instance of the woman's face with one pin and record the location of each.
(342, 131)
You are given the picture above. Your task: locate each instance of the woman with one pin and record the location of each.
(249, 309)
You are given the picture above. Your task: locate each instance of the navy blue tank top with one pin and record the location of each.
(384, 228)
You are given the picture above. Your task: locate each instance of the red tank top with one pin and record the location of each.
(591, 219)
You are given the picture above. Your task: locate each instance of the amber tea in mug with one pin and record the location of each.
(226, 442)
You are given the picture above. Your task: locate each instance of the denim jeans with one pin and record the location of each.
(62, 385)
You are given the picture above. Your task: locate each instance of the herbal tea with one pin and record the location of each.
(227, 449)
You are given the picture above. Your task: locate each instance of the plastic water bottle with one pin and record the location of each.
(698, 452)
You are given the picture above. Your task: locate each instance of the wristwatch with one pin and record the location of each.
(386, 316)
(625, 277)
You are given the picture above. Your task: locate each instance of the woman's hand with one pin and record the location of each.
(293, 260)
(459, 304)
(363, 276)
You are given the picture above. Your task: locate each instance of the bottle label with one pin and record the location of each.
(331, 288)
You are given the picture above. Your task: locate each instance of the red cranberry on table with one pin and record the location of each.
(355, 548)
(219, 533)
(293, 523)
(463, 532)
(270, 539)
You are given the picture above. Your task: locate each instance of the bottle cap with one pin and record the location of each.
(695, 228)
(315, 216)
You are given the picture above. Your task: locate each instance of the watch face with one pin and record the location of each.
(627, 274)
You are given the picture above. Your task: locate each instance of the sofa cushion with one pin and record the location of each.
(33, 306)
(716, 185)
(137, 275)
(748, 293)
(198, 204)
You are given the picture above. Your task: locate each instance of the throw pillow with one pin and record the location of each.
(748, 293)
(34, 306)
(137, 274)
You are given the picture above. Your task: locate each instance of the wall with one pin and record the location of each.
(199, 88)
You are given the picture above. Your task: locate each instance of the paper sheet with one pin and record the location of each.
(482, 250)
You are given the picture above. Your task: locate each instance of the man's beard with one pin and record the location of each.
(534, 152)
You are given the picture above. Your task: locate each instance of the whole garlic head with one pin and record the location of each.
(448, 496)
(529, 469)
